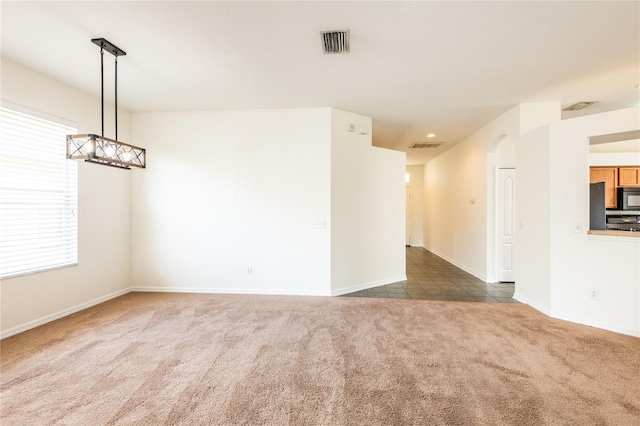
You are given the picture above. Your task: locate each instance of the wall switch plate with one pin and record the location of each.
(577, 227)
(594, 294)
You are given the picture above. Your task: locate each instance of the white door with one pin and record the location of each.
(505, 226)
(408, 221)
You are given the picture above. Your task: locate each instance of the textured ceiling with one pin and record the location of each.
(415, 67)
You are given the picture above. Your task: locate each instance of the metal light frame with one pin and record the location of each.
(98, 149)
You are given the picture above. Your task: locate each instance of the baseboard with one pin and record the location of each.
(597, 324)
(60, 314)
(459, 265)
(575, 319)
(209, 290)
(364, 286)
(535, 305)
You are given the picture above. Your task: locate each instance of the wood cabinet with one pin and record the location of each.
(608, 175)
(613, 177)
(629, 176)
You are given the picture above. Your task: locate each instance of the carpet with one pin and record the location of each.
(183, 359)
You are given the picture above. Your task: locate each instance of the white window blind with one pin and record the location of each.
(38, 195)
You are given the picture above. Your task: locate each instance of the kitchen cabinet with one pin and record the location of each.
(629, 176)
(608, 175)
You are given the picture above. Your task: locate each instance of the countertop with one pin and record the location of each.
(622, 212)
(611, 233)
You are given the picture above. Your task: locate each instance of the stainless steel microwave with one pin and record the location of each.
(629, 198)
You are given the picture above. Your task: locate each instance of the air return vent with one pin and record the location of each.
(578, 106)
(335, 41)
(425, 145)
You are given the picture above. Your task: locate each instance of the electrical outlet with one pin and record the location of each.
(249, 270)
(577, 227)
(594, 294)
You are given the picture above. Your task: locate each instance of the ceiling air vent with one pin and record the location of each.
(577, 106)
(425, 145)
(335, 41)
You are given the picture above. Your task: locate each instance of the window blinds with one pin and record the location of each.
(38, 195)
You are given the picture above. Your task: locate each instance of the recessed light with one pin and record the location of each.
(431, 135)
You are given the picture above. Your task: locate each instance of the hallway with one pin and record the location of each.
(431, 277)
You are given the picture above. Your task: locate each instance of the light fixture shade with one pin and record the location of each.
(98, 149)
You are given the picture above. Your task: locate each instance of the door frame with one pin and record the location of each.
(408, 215)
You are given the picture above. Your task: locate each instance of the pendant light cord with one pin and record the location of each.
(102, 85)
(116, 112)
(116, 52)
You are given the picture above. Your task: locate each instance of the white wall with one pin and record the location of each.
(225, 191)
(103, 269)
(416, 183)
(566, 265)
(614, 158)
(533, 218)
(459, 188)
(531, 116)
(367, 208)
(312, 208)
(578, 261)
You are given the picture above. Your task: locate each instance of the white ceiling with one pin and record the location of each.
(414, 67)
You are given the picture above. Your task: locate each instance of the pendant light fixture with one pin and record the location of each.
(98, 149)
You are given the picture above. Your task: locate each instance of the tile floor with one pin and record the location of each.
(431, 277)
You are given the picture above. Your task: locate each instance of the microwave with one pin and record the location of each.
(629, 198)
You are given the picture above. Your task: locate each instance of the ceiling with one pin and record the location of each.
(416, 68)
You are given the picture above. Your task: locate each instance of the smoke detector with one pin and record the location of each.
(336, 41)
(579, 106)
(422, 145)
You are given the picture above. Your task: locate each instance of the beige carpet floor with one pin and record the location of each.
(183, 359)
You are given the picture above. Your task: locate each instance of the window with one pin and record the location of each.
(38, 195)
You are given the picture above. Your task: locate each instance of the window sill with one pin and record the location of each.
(24, 274)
